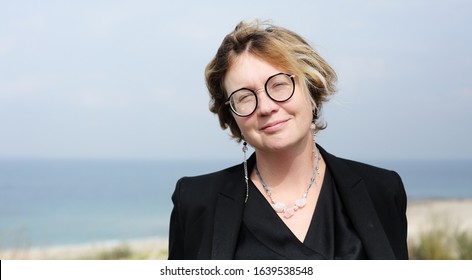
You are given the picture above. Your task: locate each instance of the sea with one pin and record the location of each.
(60, 202)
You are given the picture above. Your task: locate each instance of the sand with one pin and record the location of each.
(454, 214)
(149, 248)
(422, 216)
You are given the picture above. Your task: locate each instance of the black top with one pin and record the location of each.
(208, 210)
(263, 235)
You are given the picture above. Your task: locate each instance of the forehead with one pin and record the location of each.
(249, 71)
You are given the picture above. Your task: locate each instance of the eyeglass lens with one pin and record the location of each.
(279, 87)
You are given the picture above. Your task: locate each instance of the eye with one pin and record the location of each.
(279, 85)
(243, 97)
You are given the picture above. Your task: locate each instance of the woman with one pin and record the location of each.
(291, 199)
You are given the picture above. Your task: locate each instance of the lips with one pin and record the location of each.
(272, 126)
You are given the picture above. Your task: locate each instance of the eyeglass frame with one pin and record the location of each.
(228, 101)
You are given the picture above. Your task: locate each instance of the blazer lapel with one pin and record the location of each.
(359, 208)
(228, 213)
(352, 189)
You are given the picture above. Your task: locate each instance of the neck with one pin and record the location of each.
(290, 168)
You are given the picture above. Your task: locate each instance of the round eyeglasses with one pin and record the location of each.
(279, 87)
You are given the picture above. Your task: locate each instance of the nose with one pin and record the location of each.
(266, 105)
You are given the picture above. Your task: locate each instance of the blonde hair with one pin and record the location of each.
(279, 47)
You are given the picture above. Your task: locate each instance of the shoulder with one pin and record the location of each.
(206, 186)
(384, 186)
(208, 180)
(377, 179)
(195, 197)
(376, 186)
(371, 172)
(350, 167)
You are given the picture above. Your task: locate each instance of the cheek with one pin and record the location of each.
(302, 104)
(304, 110)
(308, 99)
(246, 123)
(240, 122)
(309, 105)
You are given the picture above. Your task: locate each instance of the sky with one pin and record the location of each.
(124, 79)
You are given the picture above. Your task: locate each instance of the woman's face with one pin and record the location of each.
(274, 126)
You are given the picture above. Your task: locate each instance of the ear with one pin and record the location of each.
(315, 113)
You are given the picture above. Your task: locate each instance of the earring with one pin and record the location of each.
(315, 113)
(246, 177)
(314, 138)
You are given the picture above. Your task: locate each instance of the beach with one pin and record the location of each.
(423, 216)
(148, 248)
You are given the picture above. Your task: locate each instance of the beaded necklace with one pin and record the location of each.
(280, 207)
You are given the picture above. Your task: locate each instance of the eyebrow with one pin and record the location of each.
(256, 90)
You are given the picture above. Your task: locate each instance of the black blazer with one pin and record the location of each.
(207, 213)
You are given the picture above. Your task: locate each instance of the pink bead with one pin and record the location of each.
(288, 212)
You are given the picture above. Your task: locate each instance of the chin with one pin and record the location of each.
(277, 145)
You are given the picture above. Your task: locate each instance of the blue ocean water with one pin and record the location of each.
(57, 202)
(426, 179)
